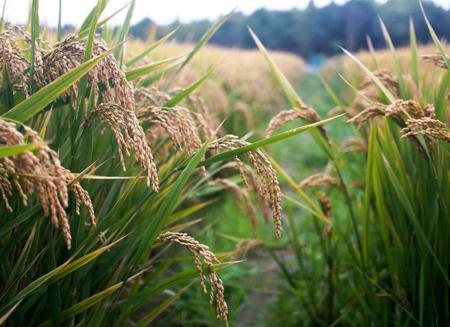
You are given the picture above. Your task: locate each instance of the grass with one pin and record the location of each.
(364, 243)
(114, 268)
(373, 269)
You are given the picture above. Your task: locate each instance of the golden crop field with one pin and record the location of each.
(231, 87)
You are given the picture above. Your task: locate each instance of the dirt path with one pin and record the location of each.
(264, 290)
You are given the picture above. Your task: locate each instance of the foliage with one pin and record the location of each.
(115, 173)
(390, 264)
(88, 219)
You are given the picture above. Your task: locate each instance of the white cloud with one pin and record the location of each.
(74, 11)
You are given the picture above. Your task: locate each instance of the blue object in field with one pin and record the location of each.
(315, 62)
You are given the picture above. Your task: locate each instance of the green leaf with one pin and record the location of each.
(414, 57)
(124, 32)
(28, 215)
(163, 306)
(90, 17)
(184, 93)
(293, 97)
(138, 300)
(11, 150)
(88, 50)
(313, 212)
(397, 66)
(372, 76)
(158, 76)
(152, 47)
(169, 203)
(372, 53)
(189, 211)
(85, 31)
(34, 104)
(59, 28)
(331, 93)
(137, 72)
(266, 141)
(2, 22)
(34, 40)
(435, 37)
(89, 302)
(5, 317)
(205, 38)
(58, 273)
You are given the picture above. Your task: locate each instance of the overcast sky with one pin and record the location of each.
(161, 11)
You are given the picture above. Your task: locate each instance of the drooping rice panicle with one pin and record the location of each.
(265, 183)
(41, 174)
(129, 136)
(15, 42)
(287, 116)
(106, 77)
(202, 256)
(320, 179)
(433, 128)
(176, 122)
(327, 208)
(436, 59)
(386, 77)
(206, 122)
(365, 115)
(400, 108)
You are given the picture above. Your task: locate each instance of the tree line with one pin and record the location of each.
(315, 30)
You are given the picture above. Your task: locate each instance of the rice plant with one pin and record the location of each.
(102, 170)
(379, 208)
(119, 166)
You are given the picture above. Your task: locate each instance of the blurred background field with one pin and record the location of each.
(241, 81)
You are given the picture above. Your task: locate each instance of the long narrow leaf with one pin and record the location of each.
(88, 50)
(5, 317)
(163, 306)
(2, 22)
(205, 38)
(397, 66)
(101, 23)
(414, 57)
(287, 88)
(372, 76)
(435, 37)
(138, 72)
(184, 93)
(152, 47)
(266, 141)
(34, 38)
(124, 32)
(60, 272)
(59, 27)
(11, 150)
(168, 204)
(87, 21)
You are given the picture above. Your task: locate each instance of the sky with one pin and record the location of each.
(161, 11)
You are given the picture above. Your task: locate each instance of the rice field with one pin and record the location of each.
(163, 184)
(230, 88)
